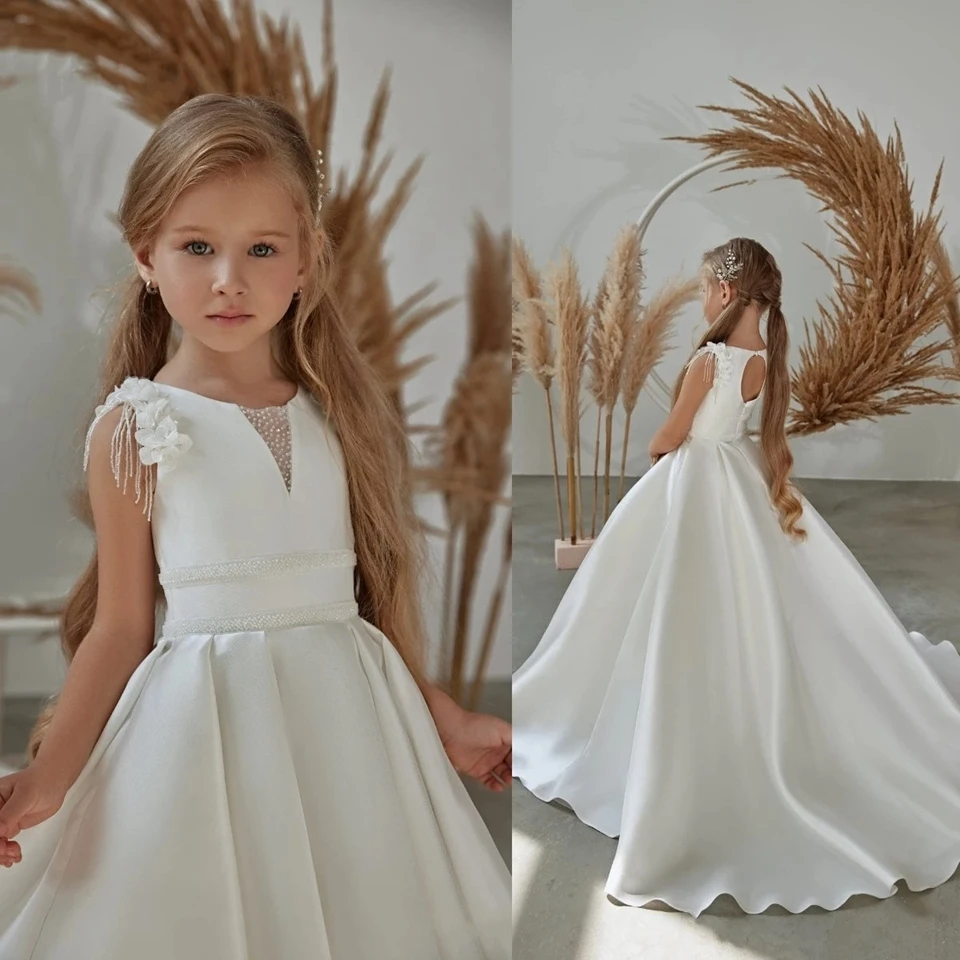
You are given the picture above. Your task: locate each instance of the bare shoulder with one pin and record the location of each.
(700, 371)
(127, 581)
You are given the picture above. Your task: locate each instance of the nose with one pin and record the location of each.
(228, 278)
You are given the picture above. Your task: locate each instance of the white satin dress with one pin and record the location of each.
(270, 783)
(745, 712)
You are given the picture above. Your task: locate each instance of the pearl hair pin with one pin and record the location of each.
(320, 178)
(731, 267)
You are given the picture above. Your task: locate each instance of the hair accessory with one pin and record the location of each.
(320, 178)
(731, 267)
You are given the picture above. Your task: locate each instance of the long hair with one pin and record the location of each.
(759, 281)
(215, 135)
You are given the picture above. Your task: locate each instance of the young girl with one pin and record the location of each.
(739, 704)
(273, 776)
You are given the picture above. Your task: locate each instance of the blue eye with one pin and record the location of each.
(202, 243)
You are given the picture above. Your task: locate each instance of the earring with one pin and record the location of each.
(296, 296)
(152, 289)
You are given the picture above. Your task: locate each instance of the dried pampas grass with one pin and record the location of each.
(944, 268)
(472, 442)
(493, 617)
(618, 350)
(525, 279)
(595, 387)
(649, 341)
(476, 425)
(536, 339)
(489, 291)
(516, 342)
(616, 308)
(571, 315)
(879, 336)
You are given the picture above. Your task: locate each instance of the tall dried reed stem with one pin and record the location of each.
(493, 616)
(571, 314)
(648, 342)
(482, 394)
(617, 308)
(476, 425)
(538, 350)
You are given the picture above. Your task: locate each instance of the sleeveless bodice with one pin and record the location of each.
(723, 415)
(250, 509)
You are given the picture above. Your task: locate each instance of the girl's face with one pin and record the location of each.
(228, 246)
(714, 295)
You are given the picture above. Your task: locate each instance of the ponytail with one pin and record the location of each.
(773, 434)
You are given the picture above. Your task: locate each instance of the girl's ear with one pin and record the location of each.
(302, 273)
(143, 264)
(725, 292)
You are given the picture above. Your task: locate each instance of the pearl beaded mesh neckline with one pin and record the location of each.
(273, 424)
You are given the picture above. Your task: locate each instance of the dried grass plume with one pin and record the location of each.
(616, 309)
(536, 347)
(648, 343)
(879, 337)
(571, 315)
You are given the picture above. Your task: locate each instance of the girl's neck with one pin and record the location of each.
(247, 369)
(747, 332)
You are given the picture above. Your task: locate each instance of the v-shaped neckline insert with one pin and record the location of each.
(259, 413)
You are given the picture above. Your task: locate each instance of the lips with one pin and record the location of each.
(229, 320)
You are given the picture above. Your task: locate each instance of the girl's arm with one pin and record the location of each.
(696, 385)
(440, 704)
(477, 744)
(123, 629)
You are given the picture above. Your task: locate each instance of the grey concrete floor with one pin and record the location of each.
(906, 535)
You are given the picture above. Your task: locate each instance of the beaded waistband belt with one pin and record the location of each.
(264, 566)
(265, 620)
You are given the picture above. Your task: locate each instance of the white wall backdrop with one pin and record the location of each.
(596, 89)
(66, 148)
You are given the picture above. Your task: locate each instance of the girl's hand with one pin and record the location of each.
(478, 745)
(27, 797)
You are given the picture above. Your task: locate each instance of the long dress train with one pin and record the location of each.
(745, 712)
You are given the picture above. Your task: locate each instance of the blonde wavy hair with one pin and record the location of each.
(215, 135)
(759, 282)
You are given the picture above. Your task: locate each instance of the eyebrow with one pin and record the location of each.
(189, 228)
